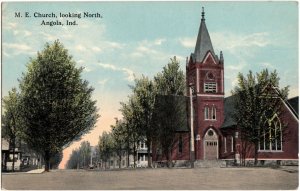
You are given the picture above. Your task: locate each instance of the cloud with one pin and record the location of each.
(96, 49)
(10, 49)
(267, 65)
(103, 82)
(187, 42)
(232, 42)
(114, 45)
(159, 41)
(16, 46)
(129, 73)
(48, 36)
(240, 43)
(293, 92)
(27, 33)
(80, 47)
(10, 25)
(235, 67)
(108, 66)
(87, 69)
(149, 49)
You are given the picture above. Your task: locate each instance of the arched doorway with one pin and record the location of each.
(211, 148)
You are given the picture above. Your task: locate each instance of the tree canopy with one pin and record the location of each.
(57, 107)
(258, 98)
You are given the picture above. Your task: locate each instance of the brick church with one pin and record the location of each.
(215, 133)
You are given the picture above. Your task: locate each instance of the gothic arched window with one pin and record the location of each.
(271, 135)
(213, 113)
(206, 113)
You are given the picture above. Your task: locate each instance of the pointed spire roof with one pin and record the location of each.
(203, 44)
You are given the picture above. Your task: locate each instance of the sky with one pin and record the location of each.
(139, 38)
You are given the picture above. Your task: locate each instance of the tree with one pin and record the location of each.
(55, 160)
(258, 98)
(118, 133)
(85, 153)
(171, 81)
(74, 160)
(105, 145)
(11, 124)
(145, 92)
(56, 103)
(131, 112)
(169, 105)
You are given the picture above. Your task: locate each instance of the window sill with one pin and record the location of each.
(270, 151)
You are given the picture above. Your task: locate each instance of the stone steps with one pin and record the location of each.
(210, 164)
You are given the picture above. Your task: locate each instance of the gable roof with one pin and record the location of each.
(229, 110)
(293, 104)
(180, 103)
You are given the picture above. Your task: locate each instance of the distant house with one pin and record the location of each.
(141, 159)
(24, 157)
(8, 157)
(142, 154)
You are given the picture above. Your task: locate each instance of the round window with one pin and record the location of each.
(210, 133)
(210, 76)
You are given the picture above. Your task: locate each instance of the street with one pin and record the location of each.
(283, 178)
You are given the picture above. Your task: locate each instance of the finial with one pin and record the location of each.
(221, 57)
(203, 14)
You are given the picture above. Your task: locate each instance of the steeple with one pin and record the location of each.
(203, 44)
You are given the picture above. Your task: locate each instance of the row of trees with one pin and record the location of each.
(155, 108)
(53, 106)
(81, 157)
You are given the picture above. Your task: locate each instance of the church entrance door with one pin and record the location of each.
(211, 148)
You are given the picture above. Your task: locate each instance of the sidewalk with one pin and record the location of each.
(36, 171)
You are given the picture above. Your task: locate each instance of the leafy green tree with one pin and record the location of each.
(11, 121)
(145, 92)
(171, 81)
(74, 160)
(169, 115)
(85, 153)
(56, 103)
(105, 145)
(169, 105)
(131, 112)
(257, 99)
(118, 133)
(55, 160)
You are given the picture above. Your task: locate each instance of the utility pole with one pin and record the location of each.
(192, 151)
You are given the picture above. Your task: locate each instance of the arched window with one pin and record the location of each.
(271, 135)
(206, 113)
(213, 113)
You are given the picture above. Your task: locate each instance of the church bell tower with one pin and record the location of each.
(205, 75)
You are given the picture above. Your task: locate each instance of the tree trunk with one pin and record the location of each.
(255, 153)
(169, 158)
(148, 152)
(134, 155)
(128, 150)
(47, 160)
(120, 159)
(13, 148)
